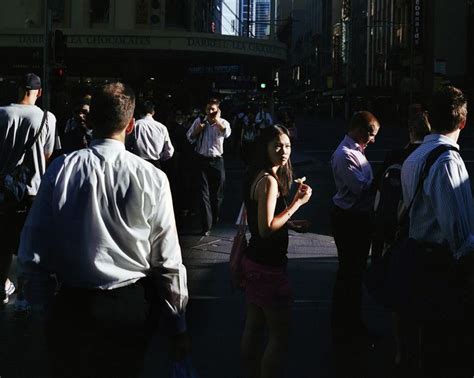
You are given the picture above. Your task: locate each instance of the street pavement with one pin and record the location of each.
(216, 313)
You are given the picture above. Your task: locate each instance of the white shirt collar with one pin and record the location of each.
(108, 142)
(441, 139)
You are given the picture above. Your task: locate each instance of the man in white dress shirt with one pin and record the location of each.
(442, 214)
(208, 135)
(103, 223)
(150, 139)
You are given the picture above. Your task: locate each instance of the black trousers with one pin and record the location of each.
(352, 234)
(100, 333)
(212, 180)
(11, 225)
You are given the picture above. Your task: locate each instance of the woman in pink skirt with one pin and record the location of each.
(265, 280)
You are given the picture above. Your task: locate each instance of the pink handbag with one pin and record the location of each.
(239, 245)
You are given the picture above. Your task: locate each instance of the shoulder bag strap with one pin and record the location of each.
(430, 160)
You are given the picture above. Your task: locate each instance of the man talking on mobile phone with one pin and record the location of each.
(208, 135)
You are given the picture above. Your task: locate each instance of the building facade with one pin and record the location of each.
(262, 18)
(388, 54)
(171, 49)
(246, 18)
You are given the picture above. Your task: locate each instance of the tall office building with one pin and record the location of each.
(262, 18)
(230, 17)
(246, 18)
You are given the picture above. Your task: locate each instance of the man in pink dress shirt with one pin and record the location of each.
(351, 223)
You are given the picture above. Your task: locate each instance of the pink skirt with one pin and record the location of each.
(266, 286)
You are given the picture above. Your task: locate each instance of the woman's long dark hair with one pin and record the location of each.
(261, 161)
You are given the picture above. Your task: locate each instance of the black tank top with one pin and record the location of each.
(273, 249)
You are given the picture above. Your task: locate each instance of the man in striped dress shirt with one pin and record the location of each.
(442, 213)
(208, 135)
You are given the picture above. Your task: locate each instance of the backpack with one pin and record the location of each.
(388, 203)
(411, 275)
(13, 183)
(389, 206)
(239, 245)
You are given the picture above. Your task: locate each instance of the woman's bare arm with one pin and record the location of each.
(267, 194)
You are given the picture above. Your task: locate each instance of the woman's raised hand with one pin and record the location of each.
(303, 194)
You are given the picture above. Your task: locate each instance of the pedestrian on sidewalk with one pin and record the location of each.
(351, 220)
(442, 223)
(263, 119)
(265, 279)
(388, 208)
(150, 139)
(208, 136)
(239, 123)
(77, 134)
(19, 124)
(103, 223)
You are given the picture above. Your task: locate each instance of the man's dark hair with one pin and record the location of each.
(147, 107)
(448, 110)
(362, 120)
(112, 107)
(213, 101)
(419, 126)
(80, 102)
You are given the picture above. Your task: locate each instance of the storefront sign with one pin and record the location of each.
(417, 23)
(198, 42)
(108, 40)
(206, 70)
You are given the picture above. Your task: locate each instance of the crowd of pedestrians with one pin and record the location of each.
(427, 255)
(98, 247)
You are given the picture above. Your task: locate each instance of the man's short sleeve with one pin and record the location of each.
(51, 134)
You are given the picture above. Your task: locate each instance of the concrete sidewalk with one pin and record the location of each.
(216, 315)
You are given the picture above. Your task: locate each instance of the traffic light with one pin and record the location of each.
(155, 16)
(60, 72)
(263, 85)
(59, 46)
(58, 75)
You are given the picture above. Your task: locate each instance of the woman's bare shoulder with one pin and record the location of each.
(265, 184)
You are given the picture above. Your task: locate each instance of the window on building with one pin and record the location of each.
(142, 12)
(176, 14)
(33, 13)
(99, 11)
(61, 13)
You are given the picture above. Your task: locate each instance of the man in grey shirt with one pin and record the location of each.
(19, 123)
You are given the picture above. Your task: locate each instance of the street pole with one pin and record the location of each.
(412, 53)
(48, 21)
(348, 69)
